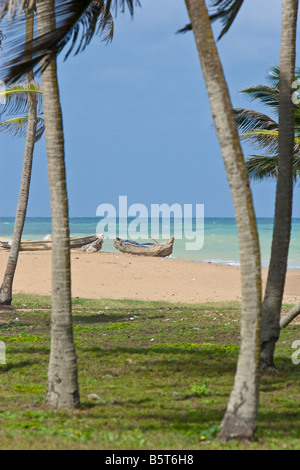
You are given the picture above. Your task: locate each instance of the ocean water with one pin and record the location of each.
(220, 237)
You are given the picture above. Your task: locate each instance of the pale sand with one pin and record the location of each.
(121, 276)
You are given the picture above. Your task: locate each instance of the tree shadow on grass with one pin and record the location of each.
(177, 359)
(134, 402)
(98, 318)
(7, 308)
(150, 416)
(29, 350)
(279, 423)
(106, 318)
(183, 421)
(28, 327)
(16, 365)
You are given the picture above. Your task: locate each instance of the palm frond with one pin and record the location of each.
(16, 96)
(77, 21)
(17, 127)
(267, 95)
(14, 7)
(96, 19)
(249, 120)
(1, 39)
(262, 132)
(224, 10)
(121, 5)
(297, 120)
(273, 76)
(262, 140)
(267, 140)
(261, 167)
(296, 167)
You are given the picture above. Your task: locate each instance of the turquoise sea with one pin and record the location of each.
(220, 238)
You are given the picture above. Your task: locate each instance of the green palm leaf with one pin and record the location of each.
(267, 95)
(17, 127)
(268, 140)
(248, 120)
(260, 167)
(16, 98)
(262, 140)
(261, 131)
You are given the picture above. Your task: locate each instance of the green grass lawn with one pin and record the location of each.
(152, 376)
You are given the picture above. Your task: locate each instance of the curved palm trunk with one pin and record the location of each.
(270, 329)
(62, 375)
(7, 284)
(241, 416)
(289, 317)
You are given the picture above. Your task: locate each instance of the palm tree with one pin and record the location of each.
(241, 415)
(21, 97)
(261, 131)
(281, 140)
(16, 97)
(284, 189)
(54, 40)
(26, 95)
(33, 126)
(94, 17)
(62, 374)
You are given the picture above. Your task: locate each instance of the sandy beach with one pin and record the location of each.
(122, 276)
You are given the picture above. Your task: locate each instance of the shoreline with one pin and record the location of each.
(208, 261)
(123, 276)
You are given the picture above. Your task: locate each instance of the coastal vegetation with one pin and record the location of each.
(152, 349)
(241, 414)
(152, 375)
(26, 98)
(260, 130)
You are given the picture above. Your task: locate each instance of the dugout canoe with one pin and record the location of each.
(42, 245)
(145, 249)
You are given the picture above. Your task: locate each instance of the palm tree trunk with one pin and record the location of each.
(62, 375)
(241, 416)
(7, 284)
(288, 317)
(270, 329)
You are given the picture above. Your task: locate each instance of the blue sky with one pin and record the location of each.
(137, 119)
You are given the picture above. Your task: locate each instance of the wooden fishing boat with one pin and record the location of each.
(41, 245)
(145, 249)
